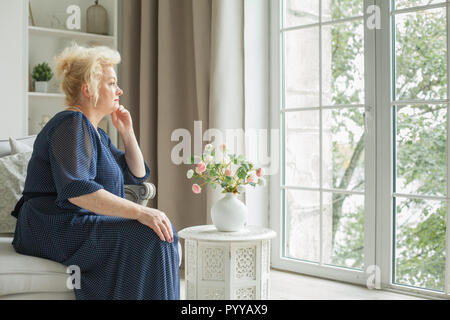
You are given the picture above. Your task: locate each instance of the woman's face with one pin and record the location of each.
(109, 91)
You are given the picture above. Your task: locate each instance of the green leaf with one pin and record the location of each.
(241, 173)
(42, 72)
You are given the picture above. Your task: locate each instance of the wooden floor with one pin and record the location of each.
(292, 286)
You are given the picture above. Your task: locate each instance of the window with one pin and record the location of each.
(362, 111)
(419, 83)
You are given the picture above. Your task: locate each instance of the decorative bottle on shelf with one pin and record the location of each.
(97, 19)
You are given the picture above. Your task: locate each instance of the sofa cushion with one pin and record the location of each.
(5, 148)
(13, 171)
(18, 147)
(26, 274)
(7, 222)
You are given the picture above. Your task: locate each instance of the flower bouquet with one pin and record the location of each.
(232, 173)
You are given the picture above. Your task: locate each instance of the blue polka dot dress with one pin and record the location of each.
(119, 258)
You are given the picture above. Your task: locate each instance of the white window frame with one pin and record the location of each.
(321, 269)
(378, 221)
(385, 224)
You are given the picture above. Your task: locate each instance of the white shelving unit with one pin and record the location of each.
(45, 95)
(47, 38)
(75, 35)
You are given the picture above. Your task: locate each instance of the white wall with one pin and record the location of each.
(13, 82)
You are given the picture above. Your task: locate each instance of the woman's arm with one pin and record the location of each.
(133, 154)
(106, 203)
(121, 119)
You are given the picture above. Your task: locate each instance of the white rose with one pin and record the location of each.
(190, 173)
(208, 148)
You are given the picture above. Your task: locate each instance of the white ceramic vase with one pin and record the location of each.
(41, 86)
(229, 213)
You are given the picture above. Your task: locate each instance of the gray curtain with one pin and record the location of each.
(182, 61)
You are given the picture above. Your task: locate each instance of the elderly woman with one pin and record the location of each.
(73, 209)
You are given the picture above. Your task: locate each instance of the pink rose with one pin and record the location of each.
(251, 178)
(228, 172)
(196, 188)
(201, 167)
(259, 172)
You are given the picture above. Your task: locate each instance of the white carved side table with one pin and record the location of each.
(227, 265)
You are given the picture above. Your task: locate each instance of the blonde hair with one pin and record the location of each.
(78, 65)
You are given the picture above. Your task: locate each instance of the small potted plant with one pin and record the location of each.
(42, 74)
(233, 173)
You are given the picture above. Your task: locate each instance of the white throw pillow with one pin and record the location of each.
(13, 171)
(18, 147)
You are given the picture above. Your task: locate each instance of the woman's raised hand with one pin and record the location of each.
(121, 119)
(158, 221)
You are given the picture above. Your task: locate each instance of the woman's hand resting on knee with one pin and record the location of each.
(106, 203)
(158, 221)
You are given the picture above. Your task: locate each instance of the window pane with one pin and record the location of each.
(420, 50)
(302, 149)
(343, 230)
(343, 148)
(300, 12)
(341, 9)
(420, 243)
(303, 224)
(402, 4)
(302, 68)
(421, 150)
(343, 63)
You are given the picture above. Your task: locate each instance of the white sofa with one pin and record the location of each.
(28, 277)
